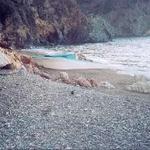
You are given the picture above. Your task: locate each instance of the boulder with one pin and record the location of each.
(83, 82)
(93, 82)
(9, 59)
(4, 60)
(12, 61)
(64, 76)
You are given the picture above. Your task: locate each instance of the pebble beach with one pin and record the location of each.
(40, 114)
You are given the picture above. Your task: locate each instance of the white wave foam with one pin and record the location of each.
(128, 55)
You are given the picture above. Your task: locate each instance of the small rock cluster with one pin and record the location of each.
(83, 82)
(64, 77)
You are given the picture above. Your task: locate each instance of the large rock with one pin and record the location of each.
(9, 60)
(12, 60)
(3, 60)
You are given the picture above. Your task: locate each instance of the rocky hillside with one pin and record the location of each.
(24, 22)
(42, 22)
(116, 18)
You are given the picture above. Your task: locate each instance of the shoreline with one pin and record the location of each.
(124, 55)
(86, 71)
(119, 81)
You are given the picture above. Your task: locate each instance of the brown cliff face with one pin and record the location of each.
(32, 22)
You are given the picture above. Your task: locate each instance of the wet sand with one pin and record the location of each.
(119, 81)
(61, 63)
(65, 64)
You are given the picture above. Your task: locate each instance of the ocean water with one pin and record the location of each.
(126, 55)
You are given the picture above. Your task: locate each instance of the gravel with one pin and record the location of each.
(36, 113)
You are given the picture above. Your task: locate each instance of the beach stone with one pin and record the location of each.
(93, 83)
(107, 85)
(49, 116)
(64, 76)
(37, 71)
(83, 82)
(45, 75)
(25, 59)
(72, 92)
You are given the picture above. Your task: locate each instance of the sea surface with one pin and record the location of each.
(126, 55)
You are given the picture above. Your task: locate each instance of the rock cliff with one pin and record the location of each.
(116, 18)
(27, 22)
(42, 22)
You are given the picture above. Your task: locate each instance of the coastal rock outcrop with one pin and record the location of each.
(12, 62)
(116, 18)
(9, 59)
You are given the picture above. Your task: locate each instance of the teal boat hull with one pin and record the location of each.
(70, 56)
